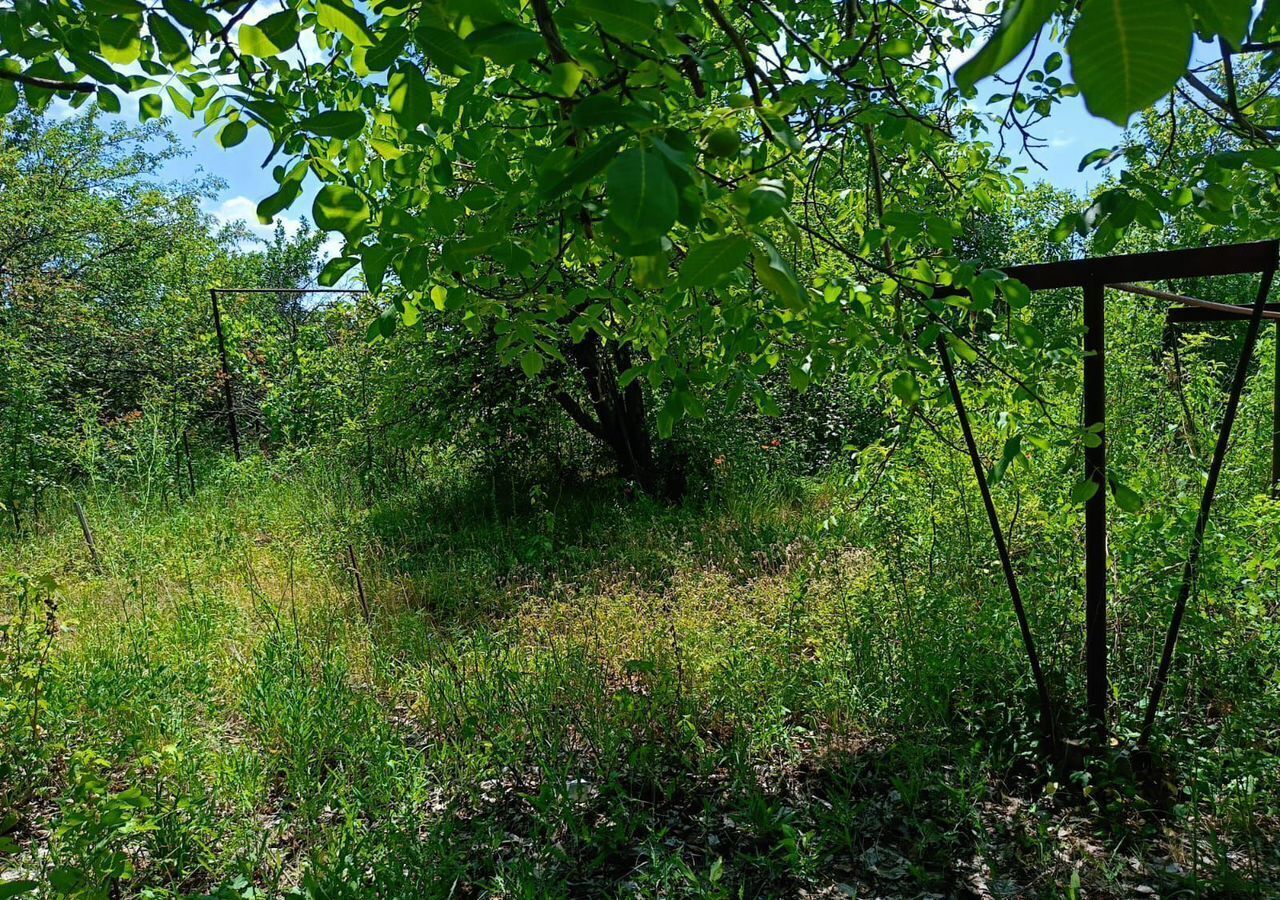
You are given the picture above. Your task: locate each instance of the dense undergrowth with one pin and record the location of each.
(783, 687)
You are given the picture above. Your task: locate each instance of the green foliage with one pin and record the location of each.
(107, 355)
(557, 685)
(27, 633)
(1021, 22)
(557, 157)
(642, 196)
(1127, 54)
(421, 643)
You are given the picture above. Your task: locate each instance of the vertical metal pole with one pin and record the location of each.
(355, 570)
(1275, 425)
(186, 452)
(1191, 568)
(88, 537)
(1095, 511)
(226, 375)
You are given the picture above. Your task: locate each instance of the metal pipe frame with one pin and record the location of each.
(228, 393)
(1093, 276)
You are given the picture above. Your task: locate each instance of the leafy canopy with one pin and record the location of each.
(765, 183)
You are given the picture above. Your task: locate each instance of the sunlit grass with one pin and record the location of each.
(765, 693)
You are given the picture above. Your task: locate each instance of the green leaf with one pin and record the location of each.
(409, 314)
(16, 888)
(385, 325)
(415, 267)
(642, 197)
(962, 348)
(150, 107)
(179, 101)
(334, 269)
(896, 48)
(278, 202)
(66, 879)
(666, 421)
(1127, 54)
(799, 378)
(1266, 28)
(565, 78)
(531, 363)
(1083, 491)
(120, 39)
(342, 17)
(1126, 497)
(270, 37)
(1028, 335)
(585, 167)
(93, 66)
(710, 261)
(649, 271)
(776, 274)
(173, 46)
(373, 264)
(338, 123)
(107, 101)
(1016, 294)
(339, 208)
(190, 15)
(906, 388)
(1228, 19)
(234, 133)
(409, 97)
(12, 32)
(1012, 448)
(384, 54)
(606, 109)
(447, 52)
(506, 43)
(1020, 22)
(765, 200)
(8, 97)
(630, 20)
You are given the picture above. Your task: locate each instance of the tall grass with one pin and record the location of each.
(783, 687)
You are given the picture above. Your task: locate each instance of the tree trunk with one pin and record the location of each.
(616, 416)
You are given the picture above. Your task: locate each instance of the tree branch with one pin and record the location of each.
(579, 416)
(80, 87)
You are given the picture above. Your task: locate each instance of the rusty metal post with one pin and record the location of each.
(355, 570)
(186, 452)
(225, 375)
(88, 537)
(1095, 511)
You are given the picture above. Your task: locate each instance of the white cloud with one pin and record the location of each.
(1061, 139)
(242, 209)
(331, 247)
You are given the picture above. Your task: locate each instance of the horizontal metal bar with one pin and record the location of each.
(1224, 310)
(1182, 314)
(288, 290)
(1196, 262)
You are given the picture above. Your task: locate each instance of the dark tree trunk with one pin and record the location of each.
(616, 416)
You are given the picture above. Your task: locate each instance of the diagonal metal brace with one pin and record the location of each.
(1006, 563)
(1191, 568)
